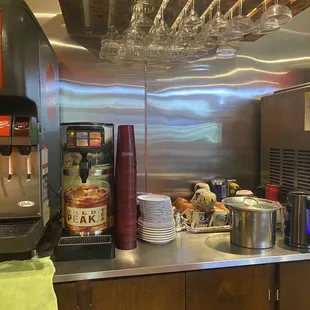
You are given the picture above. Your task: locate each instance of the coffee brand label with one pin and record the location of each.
(95, 139)
(86, 217)
(82, 139)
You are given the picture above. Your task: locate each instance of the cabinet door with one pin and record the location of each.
(294, 286)
(66, 296)
(158, 292)
(239, 288)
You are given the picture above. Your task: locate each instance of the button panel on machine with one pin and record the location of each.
(85, 139)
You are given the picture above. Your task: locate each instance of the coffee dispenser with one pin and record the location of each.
(87, 178)
(29, 129)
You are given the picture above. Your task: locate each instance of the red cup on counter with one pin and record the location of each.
(272, 192)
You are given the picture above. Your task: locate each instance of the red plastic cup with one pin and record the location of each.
(272, 192)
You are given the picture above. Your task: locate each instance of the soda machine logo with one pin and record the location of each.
(26, 204)
(21, 125)
(4, 124)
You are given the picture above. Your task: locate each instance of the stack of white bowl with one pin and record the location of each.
(156, 223)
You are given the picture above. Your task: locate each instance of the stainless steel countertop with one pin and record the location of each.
(187, 252)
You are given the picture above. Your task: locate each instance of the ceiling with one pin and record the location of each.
(118, 12)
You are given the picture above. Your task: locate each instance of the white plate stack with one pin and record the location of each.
(156, 222)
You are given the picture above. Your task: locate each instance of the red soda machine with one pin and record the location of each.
(29, 130)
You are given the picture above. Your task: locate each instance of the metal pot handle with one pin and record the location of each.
(252, 199)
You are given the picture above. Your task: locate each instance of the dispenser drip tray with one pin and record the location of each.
(16, 229)
(84, 247)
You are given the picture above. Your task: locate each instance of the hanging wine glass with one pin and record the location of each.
(218, 21)
(226, 52)
(208, 30)
(196, 49)
(282, 13)
(159, 39)
(178, 46)
(241, 22)
(267, 25)
(110, 44)
(230, 34)
(193, 20)
(207, 33)
(134, 37)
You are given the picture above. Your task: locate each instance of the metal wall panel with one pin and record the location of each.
(202, 118)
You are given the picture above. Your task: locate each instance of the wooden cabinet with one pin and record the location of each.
(239, 288)
(66, 295)
(158, 292)
(294, 286)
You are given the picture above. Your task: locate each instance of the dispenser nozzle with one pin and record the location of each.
(85, 166)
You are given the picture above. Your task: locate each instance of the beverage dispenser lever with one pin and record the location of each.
(85, 166)
(10, 169)
(28, 168)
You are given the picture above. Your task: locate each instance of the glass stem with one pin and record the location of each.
(219, 5)
(240, 7)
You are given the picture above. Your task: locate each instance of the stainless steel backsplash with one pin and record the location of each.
(193, 121)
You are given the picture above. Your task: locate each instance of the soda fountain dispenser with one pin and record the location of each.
(29, 131)
(23, 184)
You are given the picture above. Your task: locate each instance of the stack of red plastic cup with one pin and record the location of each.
(126, 188)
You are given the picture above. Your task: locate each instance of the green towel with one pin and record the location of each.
(27, 285)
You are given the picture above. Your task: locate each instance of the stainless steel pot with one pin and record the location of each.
(253, 222)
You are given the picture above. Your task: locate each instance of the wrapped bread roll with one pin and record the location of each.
(179, 202)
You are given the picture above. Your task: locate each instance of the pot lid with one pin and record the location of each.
(251, 204)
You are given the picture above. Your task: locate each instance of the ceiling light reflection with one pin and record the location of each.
(230, 73)
(45, 15)
(68, 45)
(246, 93)
(275, 61)
(266, 61)
(82, 84)
(218, 85)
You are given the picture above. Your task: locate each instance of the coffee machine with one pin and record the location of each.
(87, 177)
(87, 185)
(29, 129)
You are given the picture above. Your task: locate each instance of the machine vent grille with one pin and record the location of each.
(84, 240)
(275, 166)
(16, 229)
(288, 171)
(290, 168)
